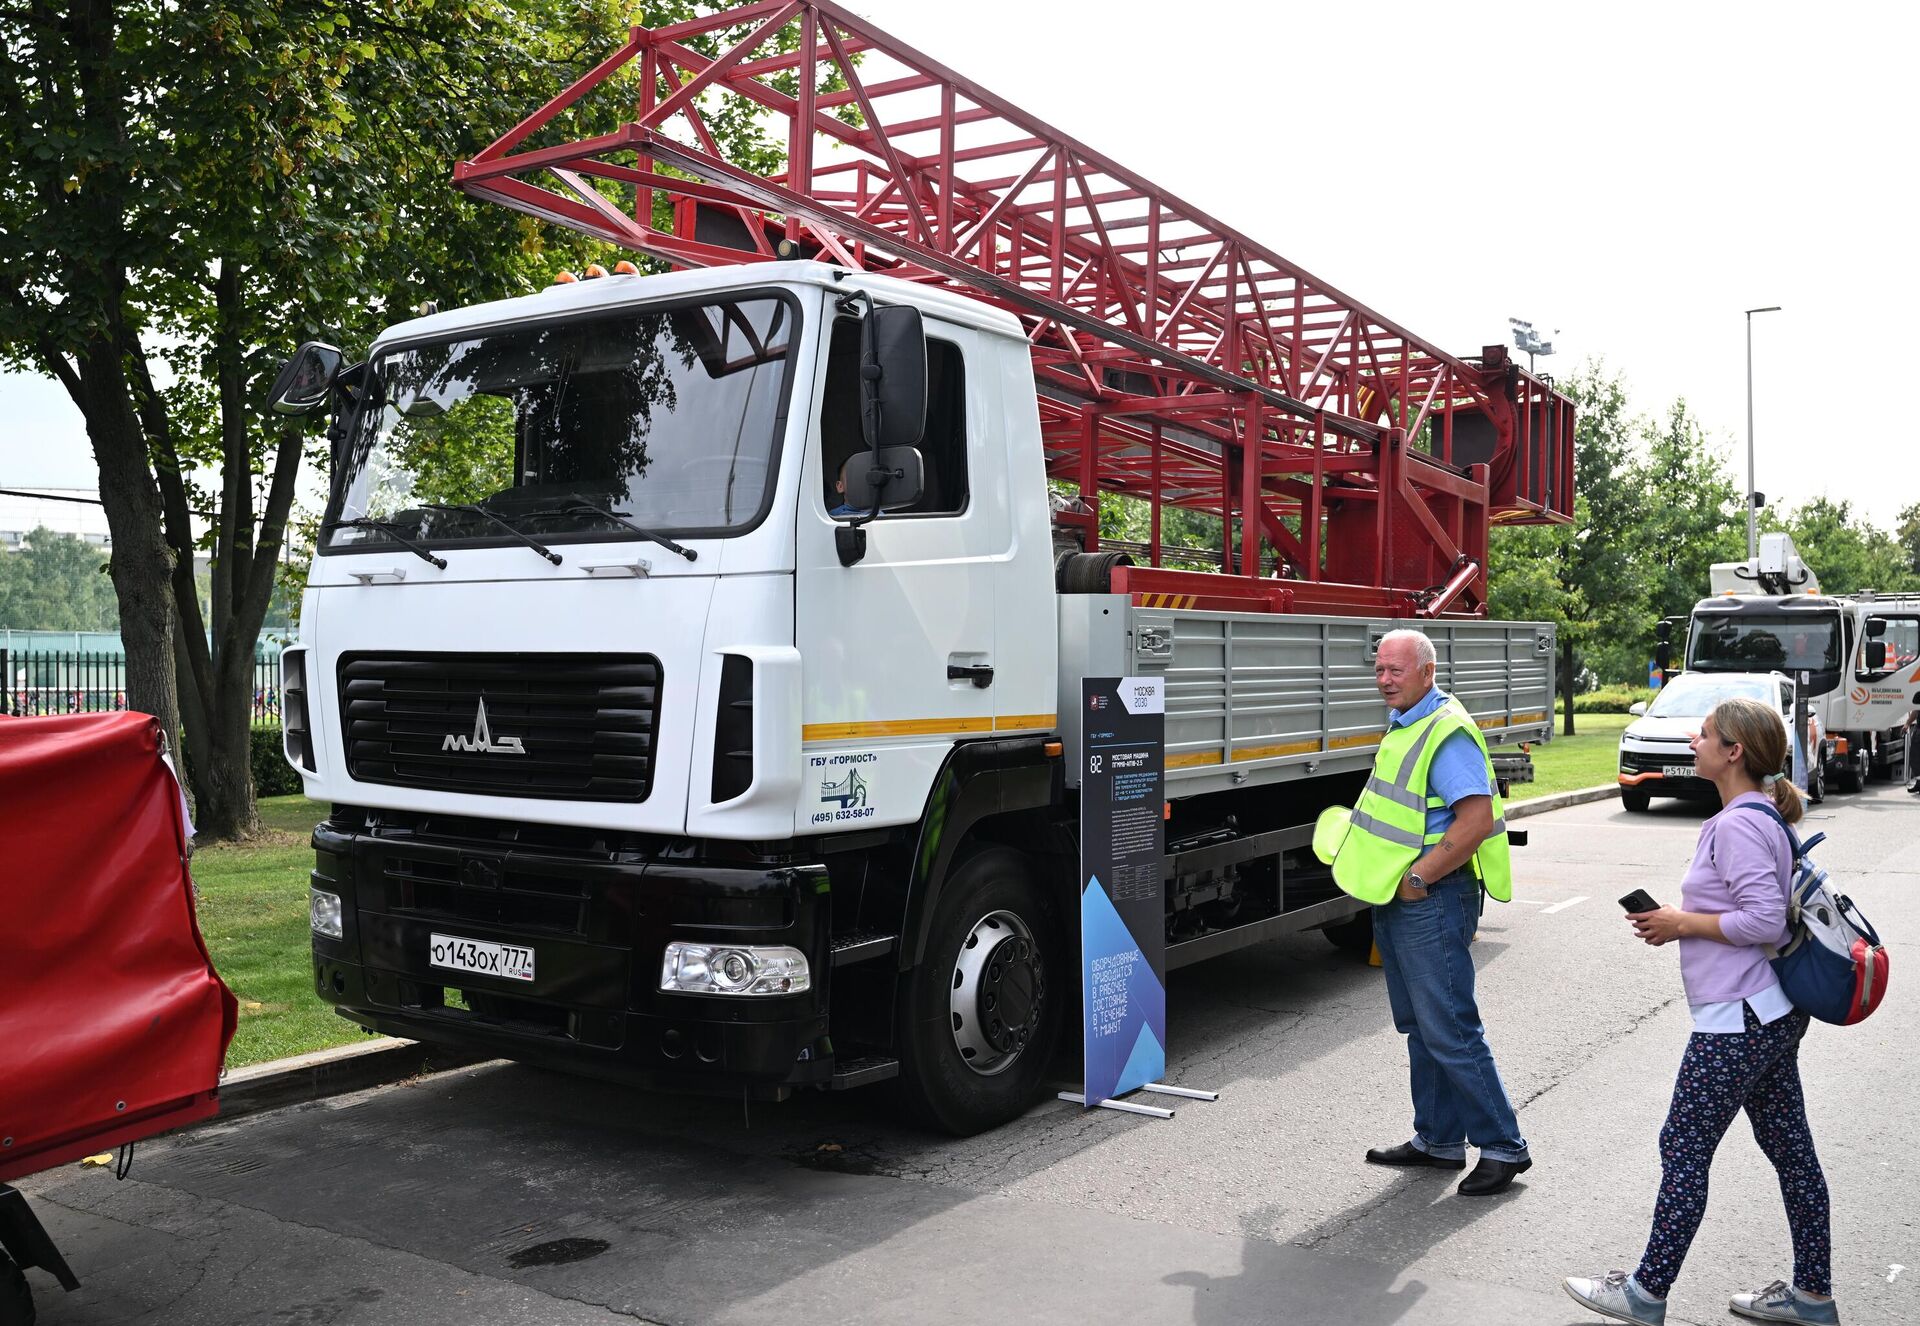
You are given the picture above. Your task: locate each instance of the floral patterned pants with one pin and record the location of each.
(1722, 1073)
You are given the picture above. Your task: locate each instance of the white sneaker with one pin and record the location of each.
(1780, 1301)
(1619, 1296)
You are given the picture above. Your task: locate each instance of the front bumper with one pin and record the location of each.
(1648, 771)
(598, 912)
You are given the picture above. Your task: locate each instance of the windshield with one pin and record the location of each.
(1754, 643)
(668, 417)
(1695, 697)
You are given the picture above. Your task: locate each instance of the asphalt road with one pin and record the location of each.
(504, 1195)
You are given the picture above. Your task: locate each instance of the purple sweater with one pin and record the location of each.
(1741, 871)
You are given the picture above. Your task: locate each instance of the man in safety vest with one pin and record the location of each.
(1427, 835)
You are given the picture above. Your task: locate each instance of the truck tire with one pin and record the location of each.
(1816, 780)
(1849, 778)
(981, 1013)
(1635, 799)
(1353, 935)
(16, 1295)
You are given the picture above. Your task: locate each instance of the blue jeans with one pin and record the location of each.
(1457, 1094)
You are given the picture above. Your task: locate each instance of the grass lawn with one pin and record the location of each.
(253, 912)
(1587, 759)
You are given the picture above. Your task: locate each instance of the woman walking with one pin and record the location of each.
(1745, 1049)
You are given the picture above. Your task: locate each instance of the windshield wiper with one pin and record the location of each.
(581, 504)
(475, 507)
(391, 531)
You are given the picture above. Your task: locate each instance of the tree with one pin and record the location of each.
(56, 582)
(1692, 517)
(1846, 553)
(1908, 533)
(199, 186)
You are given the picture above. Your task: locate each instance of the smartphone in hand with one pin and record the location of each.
(1638, 901)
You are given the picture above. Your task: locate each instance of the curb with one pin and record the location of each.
(1560, 800)
(333, 1072)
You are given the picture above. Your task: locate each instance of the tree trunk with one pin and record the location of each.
(141, 563)
(1567, 683)
(225, 781)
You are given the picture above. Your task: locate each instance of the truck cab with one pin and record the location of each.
(552, 676)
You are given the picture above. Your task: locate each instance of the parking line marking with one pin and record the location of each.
(1562, 906)
(1532, 902)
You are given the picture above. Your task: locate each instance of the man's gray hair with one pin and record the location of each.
(1423, 652)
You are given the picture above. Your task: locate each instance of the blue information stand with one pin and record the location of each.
(1123, 945)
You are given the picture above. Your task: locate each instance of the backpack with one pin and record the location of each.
(1833, 966)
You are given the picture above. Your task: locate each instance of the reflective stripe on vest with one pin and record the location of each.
(1389, 825)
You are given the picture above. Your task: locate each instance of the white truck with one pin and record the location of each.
(1856, 657)
(637, 769)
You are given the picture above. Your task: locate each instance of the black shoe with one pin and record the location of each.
(1409, 1154)
(1492, 1176)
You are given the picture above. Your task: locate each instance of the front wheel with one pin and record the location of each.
(1635, 799)
(1816, 781)
(1849, 778)
(981, 1014)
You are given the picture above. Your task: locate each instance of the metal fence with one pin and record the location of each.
(40, 682)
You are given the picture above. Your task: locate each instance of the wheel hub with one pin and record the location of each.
(997, 992)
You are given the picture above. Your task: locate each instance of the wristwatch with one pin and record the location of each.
(1416, 881)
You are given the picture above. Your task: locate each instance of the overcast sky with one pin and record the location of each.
(1633, 175)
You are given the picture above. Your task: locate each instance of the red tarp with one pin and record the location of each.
(113, 1024)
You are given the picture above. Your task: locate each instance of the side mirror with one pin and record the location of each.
(893, 378)
(896, 474)
(1876, 627)
(1874, 655)
(1638, 708)
(306, 379)
(1663, 656)
(1663, 630)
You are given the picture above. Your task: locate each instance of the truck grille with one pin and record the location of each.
(573, 727)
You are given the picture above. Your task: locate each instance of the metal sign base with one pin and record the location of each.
(1151, 1111)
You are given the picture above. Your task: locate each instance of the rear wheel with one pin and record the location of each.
(1353, 935)
(981, 1013)
(1635, 799)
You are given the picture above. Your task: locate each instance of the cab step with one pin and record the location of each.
(862, 1069)
(861, 945)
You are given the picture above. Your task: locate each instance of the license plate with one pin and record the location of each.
(508, 961)
(1678, 771)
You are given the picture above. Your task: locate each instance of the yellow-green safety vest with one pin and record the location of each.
(1372, 845)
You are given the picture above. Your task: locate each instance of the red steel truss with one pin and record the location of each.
(1177, 360)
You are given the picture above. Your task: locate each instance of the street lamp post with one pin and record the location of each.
(1753, 536)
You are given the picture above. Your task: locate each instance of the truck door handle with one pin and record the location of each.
(981, 676)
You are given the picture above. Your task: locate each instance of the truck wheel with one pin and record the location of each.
(16, 1295)
(1816, 781)
(1353, 935)
(1849, 778)
(1635, 799)
(982, 1012)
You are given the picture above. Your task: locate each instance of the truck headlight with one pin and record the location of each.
(323, 910)
(734, 969)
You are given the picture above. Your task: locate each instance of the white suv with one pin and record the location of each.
(1655, 756)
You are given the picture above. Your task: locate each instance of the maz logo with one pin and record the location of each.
(483, 739)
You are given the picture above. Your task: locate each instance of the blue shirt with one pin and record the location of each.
(1457, 770)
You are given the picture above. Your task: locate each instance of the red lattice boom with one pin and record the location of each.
(1177, 360)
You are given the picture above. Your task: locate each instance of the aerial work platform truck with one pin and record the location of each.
(692, 657)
